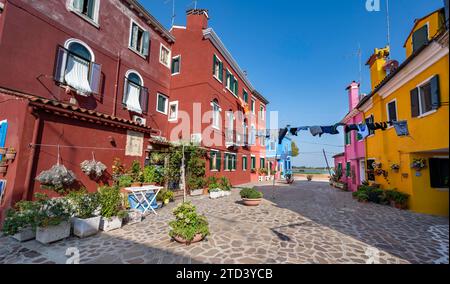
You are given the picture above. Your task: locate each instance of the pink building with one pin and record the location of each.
(352, 161)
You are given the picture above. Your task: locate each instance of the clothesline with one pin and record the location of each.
(401, 127)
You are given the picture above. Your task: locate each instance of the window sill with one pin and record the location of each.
(87, 19)
(221, 82)
(137, 52)
(165, 113)
(214, 171)
(164, 64)
(173, 119)
(175, 74)
(427, 113)
(441, 189)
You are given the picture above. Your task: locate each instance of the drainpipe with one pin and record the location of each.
(116, 86)
(29, 178)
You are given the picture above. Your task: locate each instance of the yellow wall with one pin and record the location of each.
(428, 133)
(435, 21)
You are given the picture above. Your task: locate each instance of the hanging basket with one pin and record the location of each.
(93, 168)
(58, 178)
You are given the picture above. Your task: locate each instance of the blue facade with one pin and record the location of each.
(282, 152)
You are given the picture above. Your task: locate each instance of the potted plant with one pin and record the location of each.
(58, 179)
(111, 208)
(225, 186)
(3, 166)
(136, 174)
(52, 219)
(10, 154)
(419, 164)
(361, 196)
(3, 150)
(309, 177)
(253, 171)
(124, 181)
(196, 185)
(168, 197)
(188, 227)
(93, 169)
(395, 167)
(86, 220)
(133, 216)
(20, 222)
(251, 197)
(215, 192)
(152, 176)
(397, 199)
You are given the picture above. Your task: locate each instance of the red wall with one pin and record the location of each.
(33, 31)
(196, 83)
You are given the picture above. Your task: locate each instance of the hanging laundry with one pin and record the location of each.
(363, 131)
(281, 134)
(331, 129)
(316, 130)
(351, 127)
(381, 126)
(296, 130)
(401, 127)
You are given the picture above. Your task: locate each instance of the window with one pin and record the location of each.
(135, 96)
(425, 98)
(176, 65)
(229, 131)
(348, 138)
(230, 162)
(339, 170)
(75, 67)
(253, 164)
(214, 160)
(262, 112)
(88, 9)
(253, 106)
(371, 119)
(370, 170)
(217, 68)
(161, 103)
(244, 163)
(348, 170)
(173, 111)
(232, 83)
(439, 173)
(245, 96)
(164, 56)
(420, 38)
(245, 133)
(262, 163)
(139, 39)
(253, 136)
(392, 111)
(216, 114)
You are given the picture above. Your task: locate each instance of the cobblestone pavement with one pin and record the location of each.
(305, 223)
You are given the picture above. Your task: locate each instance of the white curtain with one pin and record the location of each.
(132, 102)
(77, 74)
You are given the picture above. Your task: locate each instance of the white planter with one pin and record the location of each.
(226, 193)
(25, 234)
(215, 195)
(86, 227)
(53, 233)
(134, 216)
(196, 192)
(109, 224)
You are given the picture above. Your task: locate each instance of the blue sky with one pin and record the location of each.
(301, 54)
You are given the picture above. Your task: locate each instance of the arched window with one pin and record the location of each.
(76, 67)
(135, 96)
(216, 113)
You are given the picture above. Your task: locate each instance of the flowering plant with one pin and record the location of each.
(188, 224)
(58, 178)
(395, 167)
(93, 168)
(419, 164)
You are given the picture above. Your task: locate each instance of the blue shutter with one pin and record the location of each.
(146, 42)
(435, 93)
(3, 129)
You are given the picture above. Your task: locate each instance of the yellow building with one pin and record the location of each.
(417, 91)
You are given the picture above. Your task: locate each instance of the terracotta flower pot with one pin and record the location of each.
(3, 169)
(197, 238)
(136, 184)
(148, 183)
(252, 202)
(205, 191)
(10, 156)
(3, 151)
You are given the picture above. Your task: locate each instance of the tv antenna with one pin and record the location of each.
(173, 10)
(194, 3)
(388, 23)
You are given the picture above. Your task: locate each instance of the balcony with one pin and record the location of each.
(77, 73)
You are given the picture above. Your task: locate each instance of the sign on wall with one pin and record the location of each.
(135, 144)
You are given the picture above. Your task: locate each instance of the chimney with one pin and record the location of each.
(353, 95)
(197, 19)
(377, 63)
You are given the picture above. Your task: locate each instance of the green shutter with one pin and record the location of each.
(420, 38)
(211, 157)
(435, 93)
(244, 163)
(347, 170)
(415, 111)
(146, 44)
(219, 161)
(214, 64)
(220, 71)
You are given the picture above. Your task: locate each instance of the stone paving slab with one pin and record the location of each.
(308, 222)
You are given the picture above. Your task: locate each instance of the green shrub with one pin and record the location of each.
(53, 211)
(85, 205)
(397, 197)
(251, 193)
(135, 171)
(152, 174)
(125, 181)
(225, 184)
(110, 201)
(22, 216)
(195, 183)
(188, 223)
(361, 196)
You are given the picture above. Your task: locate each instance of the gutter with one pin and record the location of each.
(31, 158)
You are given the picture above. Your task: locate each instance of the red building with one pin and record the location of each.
(86, 75)
(210, 88)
